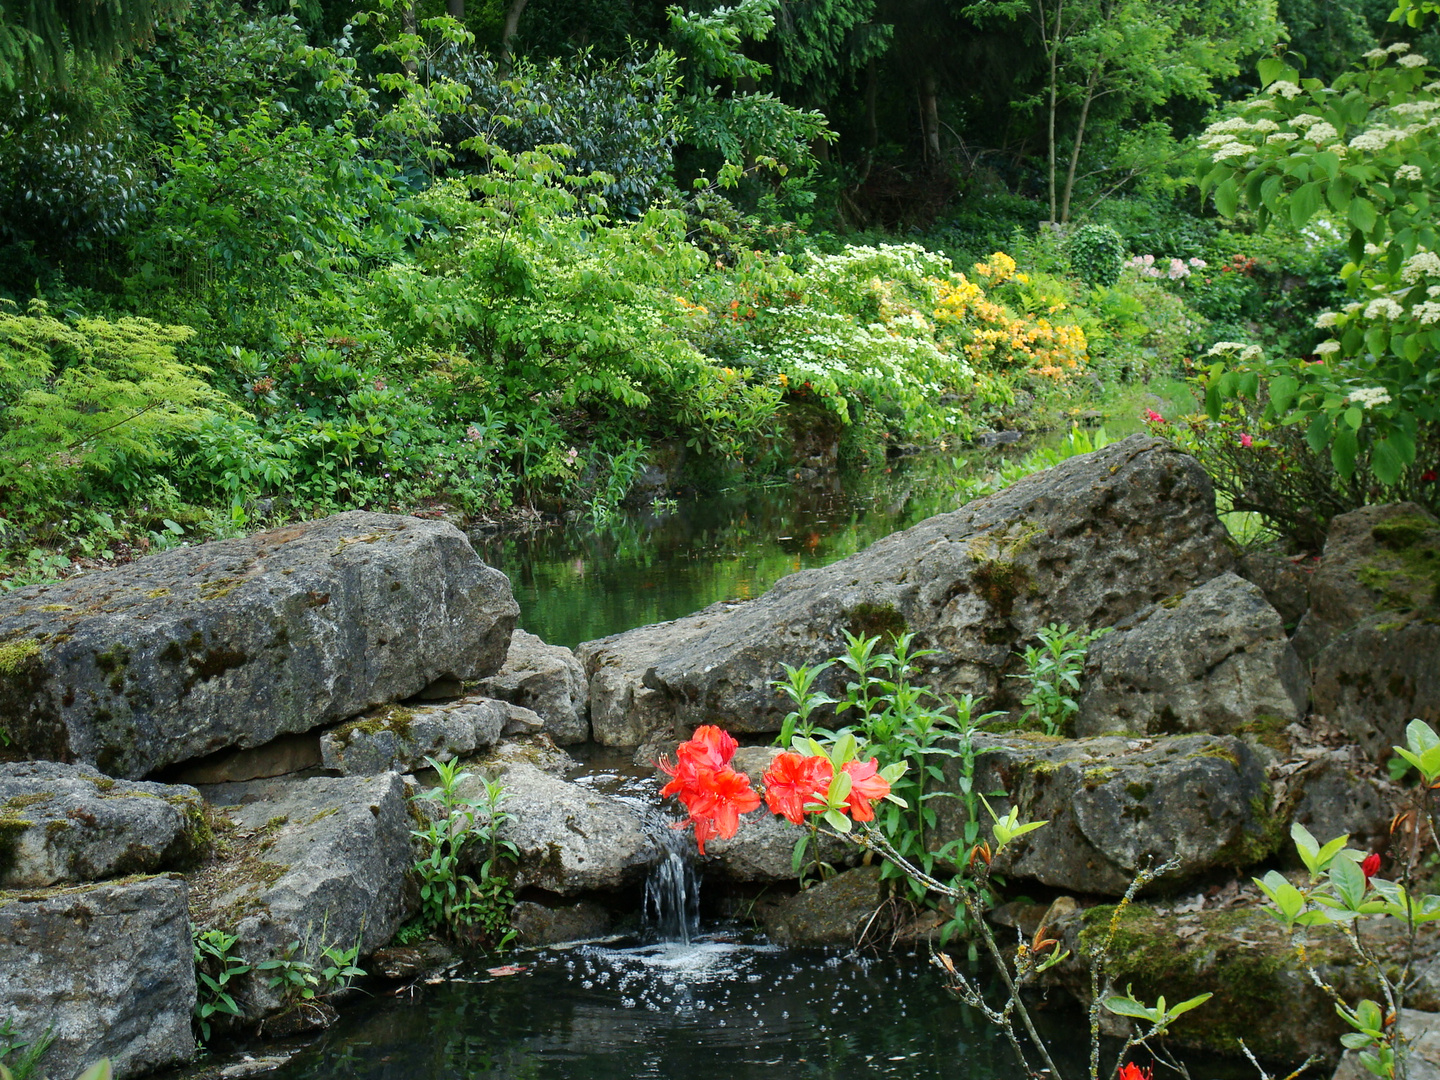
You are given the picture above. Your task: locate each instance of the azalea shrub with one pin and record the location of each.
(1363, 156)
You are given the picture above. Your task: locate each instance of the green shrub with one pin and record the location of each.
(1096, 252)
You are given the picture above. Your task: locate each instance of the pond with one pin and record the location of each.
(578, 583)
(726, 1002)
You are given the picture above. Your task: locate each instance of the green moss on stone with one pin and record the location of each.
(20, 802)
(16, 656)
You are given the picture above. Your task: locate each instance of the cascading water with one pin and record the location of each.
(672, 892)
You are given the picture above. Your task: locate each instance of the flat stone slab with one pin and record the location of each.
(232, 643)
(321, 861)
(64, 824)
(401, 737)
(108, 968)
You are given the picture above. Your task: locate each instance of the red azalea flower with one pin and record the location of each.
(1370, 865)
(1246, 441)
(720, 800)
(1131, 1071)
(709, 747)
(864, 786)
(795, 780)
(1153, 417)
(1429, 476)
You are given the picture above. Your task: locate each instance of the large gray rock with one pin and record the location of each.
(321, 861)
(1214, 659)
(571, 838)
(1373, 628)
(1114, 804)
(542, 924)
(548, 680)
(229, 644)
(70, 823)
(1088, 542)
(1380, 675)
(401, 737)
(108, 968)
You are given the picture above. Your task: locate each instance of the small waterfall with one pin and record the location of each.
(672, 892)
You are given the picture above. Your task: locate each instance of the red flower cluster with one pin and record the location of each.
(797, 784)
(713, 794)
(1153, 417)
(1131, 1071)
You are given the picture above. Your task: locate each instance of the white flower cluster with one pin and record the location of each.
(1229, 150)
(1374, 249)
(1432, 88)
(1383, 308)
(1399, 47)
(1412, 60)
(1414, 108)
(1325, 348)
(1369, 396)
(1284, 87)
(1265, 124)
(1427, 312)
(1421, 264)
(1281, 137)
(1321, 133)
(1326, 319)
(1377, 138)
(1409, 172)
(1246, 352)
(1352, 307)
(1376, 54)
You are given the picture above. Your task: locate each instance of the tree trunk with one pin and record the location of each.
(1079, 138)
(455, 9)
(408, 25)
(930, 117)
(512, 23)
(1050, 136)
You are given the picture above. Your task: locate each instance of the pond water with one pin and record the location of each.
(724, 1002)
(577, 583)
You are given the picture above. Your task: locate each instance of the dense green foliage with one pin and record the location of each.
(278, 264)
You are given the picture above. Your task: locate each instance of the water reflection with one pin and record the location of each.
(669, 1011)
(576, 583)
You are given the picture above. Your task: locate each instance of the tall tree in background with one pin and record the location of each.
(1129, 58)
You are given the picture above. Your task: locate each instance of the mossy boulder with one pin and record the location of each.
(230, 644)
(1088, 542)
(1114, 805)
(64, 824)
(1213, 659)
(833, 912)
(322, 861)
(401, 737)
(1373, 629)
(1241, 955)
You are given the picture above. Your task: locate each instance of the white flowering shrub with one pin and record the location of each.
(1363, 153)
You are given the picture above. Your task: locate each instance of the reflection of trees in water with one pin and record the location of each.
(759, 1015)
(578, 583)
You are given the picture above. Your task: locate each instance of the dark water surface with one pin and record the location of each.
(721, 1007)
(577, 583)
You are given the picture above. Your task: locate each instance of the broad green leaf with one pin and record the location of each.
(1386, 462)
(1227, 198)
(1361, 214)
(1343, 451)
(1282, 392)
(1304, 203)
